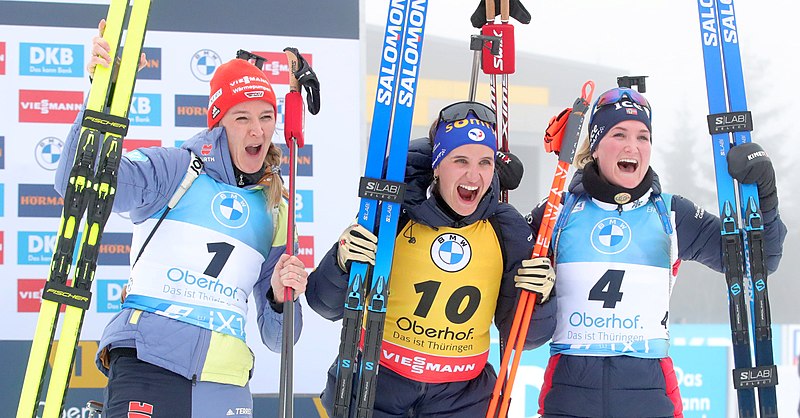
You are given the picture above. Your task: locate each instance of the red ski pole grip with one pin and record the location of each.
(293, 114)
(504, 62)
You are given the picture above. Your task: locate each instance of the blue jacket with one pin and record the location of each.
(144, 187)
(327, 285)
(624, 385)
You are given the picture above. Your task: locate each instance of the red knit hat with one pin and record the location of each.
(235, 82)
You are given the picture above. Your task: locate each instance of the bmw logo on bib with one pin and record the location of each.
(230, 209)
(451, 252)
(611, 236)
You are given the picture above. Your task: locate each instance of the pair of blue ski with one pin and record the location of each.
(742, 232)
(381, 189)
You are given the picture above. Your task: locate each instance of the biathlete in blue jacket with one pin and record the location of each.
(617, 247)
(178, 347)
(456, 256)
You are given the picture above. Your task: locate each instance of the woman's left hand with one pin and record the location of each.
(288, 272)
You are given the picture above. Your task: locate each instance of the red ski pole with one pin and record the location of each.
(564, 143)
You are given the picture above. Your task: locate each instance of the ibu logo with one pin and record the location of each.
(52, 60)
(145, 109)
(451, 252)
(108, 295)
(611, 236)
(230, 209)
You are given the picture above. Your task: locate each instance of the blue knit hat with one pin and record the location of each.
(451, 135)
(613, 107)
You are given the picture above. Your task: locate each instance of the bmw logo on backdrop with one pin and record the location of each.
(204, 63)
(48, 152)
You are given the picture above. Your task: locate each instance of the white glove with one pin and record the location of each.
(356, 244)
(536, 275)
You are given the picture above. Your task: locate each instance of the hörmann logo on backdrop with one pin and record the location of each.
(277, 66)
(52, 60)
(39, 201)
(36, 247)
(115, 249)
(2, 58)
(129, 145)
(145, 109)
(305, 160)
(2, 152)
(152, 67)
(191, 110)
(2, 200)
(49, 106)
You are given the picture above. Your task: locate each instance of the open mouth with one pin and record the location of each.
(628, 165)
(253, 149)
(468, 193)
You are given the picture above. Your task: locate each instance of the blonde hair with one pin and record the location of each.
(583, 155)
(271, 180)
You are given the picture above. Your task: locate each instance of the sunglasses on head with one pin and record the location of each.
(460, 110)
(617, 95)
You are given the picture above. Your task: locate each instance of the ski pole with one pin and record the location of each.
(564, 145)
(501, 64)
(294, 112)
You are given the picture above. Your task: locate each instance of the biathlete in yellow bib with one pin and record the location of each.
(457, 252)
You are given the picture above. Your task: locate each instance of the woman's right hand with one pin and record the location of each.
(101, 51)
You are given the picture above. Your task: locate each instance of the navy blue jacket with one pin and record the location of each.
(327, 285)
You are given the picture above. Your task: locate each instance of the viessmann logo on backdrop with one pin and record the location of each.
(2, 58)
(39, 201)
(53, 60)
(277, 66)
(49, 106)
(36, 247)
(191, 110)
(129, 145)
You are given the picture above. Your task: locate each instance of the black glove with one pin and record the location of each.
(748, 163)
(509, 170)
(515, 10)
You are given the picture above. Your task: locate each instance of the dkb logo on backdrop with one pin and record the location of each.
(53, 60)
(145, 109)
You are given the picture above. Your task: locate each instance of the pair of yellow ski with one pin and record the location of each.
(89, 191)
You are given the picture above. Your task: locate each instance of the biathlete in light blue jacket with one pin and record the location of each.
(178, 348)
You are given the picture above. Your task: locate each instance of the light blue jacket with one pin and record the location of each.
(144, 187)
